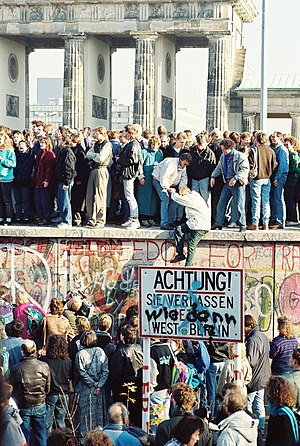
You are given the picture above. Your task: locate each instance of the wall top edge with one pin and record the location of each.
(19, 232)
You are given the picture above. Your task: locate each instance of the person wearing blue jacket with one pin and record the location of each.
(7, 164)
(278, 209)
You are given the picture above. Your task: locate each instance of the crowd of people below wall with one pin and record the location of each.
(133, 178)
(68, 378)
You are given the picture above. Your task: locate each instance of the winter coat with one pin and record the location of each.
(169, 173)
(10, 430)
(239, 429)
(131, 161)
(7, 164)
(240, 166)
(44, 169)
(257, 352)
(196, 209)
(164, 430)
(65, 166)
(203, 163)
(31, 382)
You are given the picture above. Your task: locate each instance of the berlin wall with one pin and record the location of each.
(103, 264)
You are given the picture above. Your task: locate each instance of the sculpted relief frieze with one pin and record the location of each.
(85, 11)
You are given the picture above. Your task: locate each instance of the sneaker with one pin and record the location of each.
(291, 223)
(63, 225)
(233, 225)
(152, 222)
(134, 224)
(242, 229)
(89, 224)
(99, 225)
(178, 258)
(145, 223)
(127, 223)
(7, 222)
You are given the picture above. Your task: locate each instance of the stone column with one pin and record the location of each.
(249, 122)
(144, 80)
(295, 125)
(73, 103)
(218, 83)
(28, 50)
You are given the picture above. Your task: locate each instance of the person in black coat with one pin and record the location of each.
(78, 192)
(65, 174)
(184, 399)
(126, 367)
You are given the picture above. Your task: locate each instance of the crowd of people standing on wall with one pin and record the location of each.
(134, 178)
(70, 377)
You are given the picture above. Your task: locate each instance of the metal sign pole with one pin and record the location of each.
(146, 386)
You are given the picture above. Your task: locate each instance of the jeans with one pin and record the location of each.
(57, 406)
(256, 399)
(43, 202)
(159, 408)
(212, 376)
(201, 186)
(34, 419)
(64, 203)
(175, 211)
(237, 192)
(277, 201)
(260, 196)
(195, 237)
(164, 197)
(130, 197)
(22, 202)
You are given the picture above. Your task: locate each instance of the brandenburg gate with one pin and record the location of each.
(90, 31)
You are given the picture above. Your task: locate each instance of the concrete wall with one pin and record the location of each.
(13, 89)
(104, 265)
(162, 87)
(92, 86)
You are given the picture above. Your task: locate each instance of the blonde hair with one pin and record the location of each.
(21, 297)
(7, 144)
(285, 327)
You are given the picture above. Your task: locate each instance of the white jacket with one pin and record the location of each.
(198, 213)
(169, 173)
(239, 429)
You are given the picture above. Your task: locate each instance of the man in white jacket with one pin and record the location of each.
(197, 223)
(169, 173)
(239, 428)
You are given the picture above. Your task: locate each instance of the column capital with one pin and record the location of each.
(145, 35)
(69, 36)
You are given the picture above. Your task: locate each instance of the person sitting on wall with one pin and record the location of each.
(197, 224)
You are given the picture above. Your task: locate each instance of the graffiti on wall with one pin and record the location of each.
(107, 271)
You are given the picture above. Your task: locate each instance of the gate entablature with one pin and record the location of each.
(90, 31)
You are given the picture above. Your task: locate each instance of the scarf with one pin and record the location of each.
(280, 411)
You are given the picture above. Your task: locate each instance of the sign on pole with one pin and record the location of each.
(192, 303)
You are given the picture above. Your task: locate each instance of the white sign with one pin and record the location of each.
(192, 303)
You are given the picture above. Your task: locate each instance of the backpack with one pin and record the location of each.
(34, 318)
(185, 373)
(6, 312)
(4, 361)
